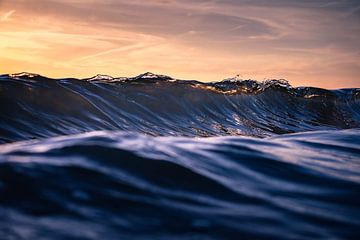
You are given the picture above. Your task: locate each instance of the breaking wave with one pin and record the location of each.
(33, 106)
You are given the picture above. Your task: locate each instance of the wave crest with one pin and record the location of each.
(34, 106)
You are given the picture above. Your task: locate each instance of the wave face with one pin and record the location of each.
(152, 157)
(37, 107)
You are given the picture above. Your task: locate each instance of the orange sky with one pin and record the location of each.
(313, 43)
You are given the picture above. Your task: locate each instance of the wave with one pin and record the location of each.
(152, 157)
(111, 185)
(34, 106)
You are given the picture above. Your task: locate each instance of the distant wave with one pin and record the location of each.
(33, 106)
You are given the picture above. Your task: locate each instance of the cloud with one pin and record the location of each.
(7, 16)
(206, 39)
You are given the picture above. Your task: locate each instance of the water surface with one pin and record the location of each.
(151, 157)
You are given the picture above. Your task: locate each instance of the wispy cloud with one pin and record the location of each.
(302, 41)
(7, 16)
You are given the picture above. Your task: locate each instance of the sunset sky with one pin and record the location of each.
(308, 42)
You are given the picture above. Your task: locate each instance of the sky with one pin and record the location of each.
(308, 42)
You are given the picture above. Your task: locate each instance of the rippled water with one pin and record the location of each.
(156, 158)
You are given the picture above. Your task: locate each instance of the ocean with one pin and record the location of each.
(152, 157)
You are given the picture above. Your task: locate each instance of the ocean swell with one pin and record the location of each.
(121, 185)
(33, 106)
(152, 157)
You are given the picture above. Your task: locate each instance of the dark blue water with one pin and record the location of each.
(155, 158)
